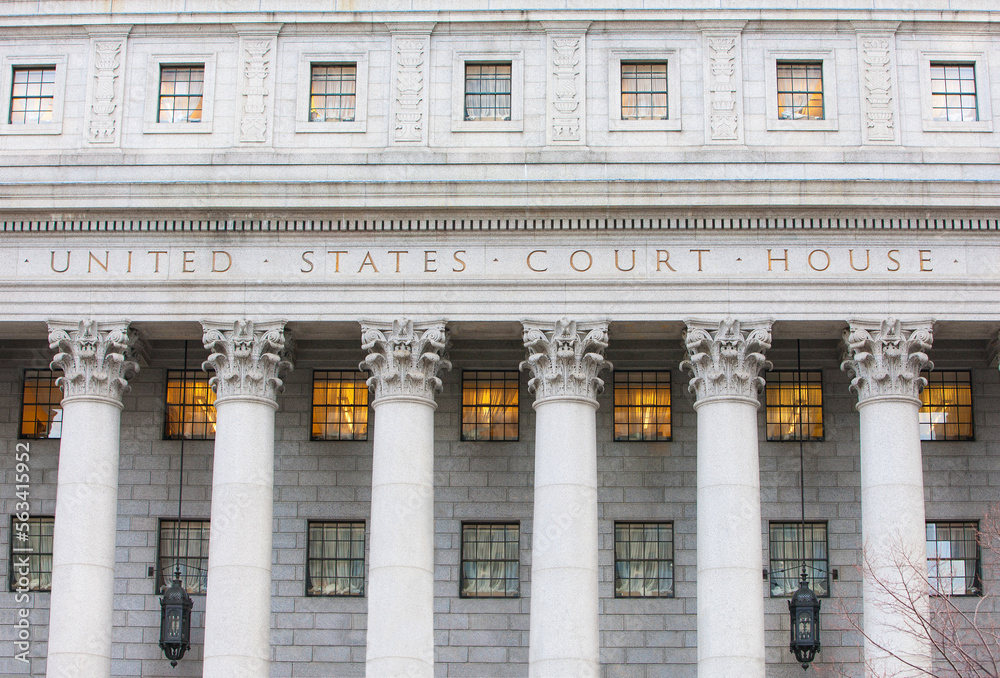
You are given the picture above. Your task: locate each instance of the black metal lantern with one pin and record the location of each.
(804, 609)
(175, 621)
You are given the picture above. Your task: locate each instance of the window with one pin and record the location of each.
(642, 406)
(32, 96)
(332, 92)
(340, 405)
(490, 560)
(41, 405)
(800, 91)
(946, 413)
(190, 406)
(787, 556)
(953, 564)
(184, 544)
(31, 544)
(953, 92)
(336, 558)
(794, 405)
(490, 405)
(644, 560)
(644, 91)
(181, 91)
(488, 91)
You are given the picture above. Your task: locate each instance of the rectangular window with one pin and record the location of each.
(953, 92)
(487, 91)
(953, 564)
(190, 406)
(340, 405)
(490, 405)
(41, 405)
(946, 412)
(644, 91)
(181, 92)
(32, 95)
(184, 544)
(642, 406)
(490, 560)
(800, 90)
(644, 560)
(794, 405)
(787, 557)
(336, 560)
(333, 92)
(31, 539)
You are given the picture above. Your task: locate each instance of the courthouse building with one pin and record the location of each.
(490, 333)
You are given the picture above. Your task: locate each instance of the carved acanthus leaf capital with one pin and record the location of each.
(565, 358)
(726, 362)
(248, 358)
(405, 358)
(96, 359)
(887, 359)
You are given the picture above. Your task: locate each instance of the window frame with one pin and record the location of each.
(673, 560)
(977, 589)
(20, 422)
(615, 407)
(154, 64)
(200, 375)
(8, 64)
(767, 408)
(313, 405)
(11, 575)
(983, 97)
(516, 60)
(771, 524)
(364, 557)
(462, 407)
(668, 56)
(304, 90)
(971, 406)
(159, 554)
(826, 58)
(461, 558)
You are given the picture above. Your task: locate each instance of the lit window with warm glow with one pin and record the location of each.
(490, 405)
(800, 91)
(340, 405)
(41, 405)
(642, 406)
(946, 412)
(190, 406)
(794, 405)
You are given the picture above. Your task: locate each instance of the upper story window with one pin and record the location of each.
(41, 405)
(336, 560)
(333, 92)
(644, 560)
(490, 405)
(953, 563)
(340, 405)
(490, 560)
(190, 406)
(32, 95)
(795, 544)
(642, 405)
(181, 92)
(184, 545)
(794, 405)
(488, 91)
(953, 92)
(800, 90)
(946, 410)
(31, 553)
(644, 91)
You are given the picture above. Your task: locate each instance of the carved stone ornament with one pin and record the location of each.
(723, 90)
(253, 126)
(405, 358)
(103, 121)
(96, 359)
(565, 358)
(409, 125)
(566, 71)
(887, 362)
(726, 363)
(248, 358)
(877, 64)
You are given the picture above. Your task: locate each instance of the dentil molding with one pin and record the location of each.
(248, 358)
(886, 359)
(725, 362)
(564, 358)
(405, 358)
(97, 359)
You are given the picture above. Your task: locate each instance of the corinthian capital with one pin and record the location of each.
(886, 359)
(248, 358)
(96, 359)
(405, 358)
(726, 362)
(564, 358)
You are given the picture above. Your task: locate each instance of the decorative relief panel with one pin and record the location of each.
(104, 112)
(248, 358)
(724, 88)
(566, 112)
(96, 359)
(565, 358)
(410, 89)
(726, 363)
(405, 358)
(877, 88)
(256, 95)
(886, 360)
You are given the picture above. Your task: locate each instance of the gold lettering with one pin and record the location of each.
(771, 259)
(813, 266)
(868, 260)
(624, 269)
(129, 269)
(430, 257)
(699, 256)
(397, 253)
(663, 257)
(94, 260)
(572, 261)
(229, 261)
(368, 261)
(52, 263)
(461, 261)
(893, 260)
(528, 260)
(187, 260)
(336, 260)
(306, 260)
(156, 261)
(925, 260)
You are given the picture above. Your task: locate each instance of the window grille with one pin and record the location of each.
(340, 405)
(41, 405)
(490, 560)
(787, 557)
(490, 405)
(644, 560)
(336, 561)
(642, 406)
(794, 405)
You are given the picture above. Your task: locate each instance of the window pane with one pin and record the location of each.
(180, 93)
(644, 565)
(336, 560)
(958, 80)
(644, 91)
(41, 405)
(953, 562)
(487, 91)
(340, 405)
(332, 93)
(800, 91)
(31, 542)
(490, 405)
(184, 546)
(642, 406)
(794, 405)
(946, 411)
(32, 95)
(190, 406)
(793, 546)
(490, 560)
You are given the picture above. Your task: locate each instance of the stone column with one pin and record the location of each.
(248, 359)
(564, 359)
(886, 360)
(725, 361)
(97, 360)
(404, 359)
